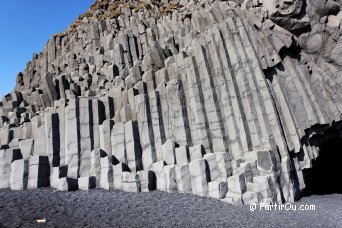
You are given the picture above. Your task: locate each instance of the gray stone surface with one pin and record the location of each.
(19, 175)
(38, 172)
(227, 99)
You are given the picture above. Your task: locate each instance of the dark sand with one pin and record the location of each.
(100, 208)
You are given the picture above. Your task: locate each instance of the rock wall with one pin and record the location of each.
(201, 97)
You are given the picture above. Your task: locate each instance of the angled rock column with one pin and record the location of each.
(157, 123)
(145, 131)
(133, 147)
(200, 132)
(177, 112)
(48, 87)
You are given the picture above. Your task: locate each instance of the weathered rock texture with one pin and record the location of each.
(229, 100)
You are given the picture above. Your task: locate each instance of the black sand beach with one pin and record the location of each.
(100, 208)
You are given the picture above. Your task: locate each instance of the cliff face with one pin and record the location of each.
(230, 100)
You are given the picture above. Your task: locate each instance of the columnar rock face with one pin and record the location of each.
(229, 100)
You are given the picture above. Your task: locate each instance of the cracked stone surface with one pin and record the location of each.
(224, 99)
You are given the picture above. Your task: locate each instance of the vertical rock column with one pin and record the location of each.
(177, 112)
(209, 96)
(98, 115)
(95, 165)
(106, 177)
(199, 177)
(163, 108)
(118, 142)
(62, 127)
(157, 123)
(220, 68)
(39, 147)
(39, 172)
(19, 174)
(72, 139)
(105, 136)
(145, 131)
(133, 147)
(198, 121)
(6, 158)
(85, 136)
(52, 138)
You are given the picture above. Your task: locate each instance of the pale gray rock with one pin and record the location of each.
(224, 164)
(130, 182)
(85, 126)
(106, 173)
(199, 177)
(85, 164)
(72, 138)
(237, 183)
(105, 136)
(170, 177)
(133, 147)
(266, 161)
(118, 142)
(158, 168)
(183, 178)
(251, 197)
(7, 157)
(56, 178)
(86, 183)
(26, 147)
(95, 165)
(147, 181)
(39, 147)
(52, 140)
(336, 52)
(212, 166)
(196, 152)
(18, 171)
(48, 87)
(118, 169)
(5, 167)
(233, 198)
(168, 149)
(182, 155)
(145, 131)
(217, 189)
